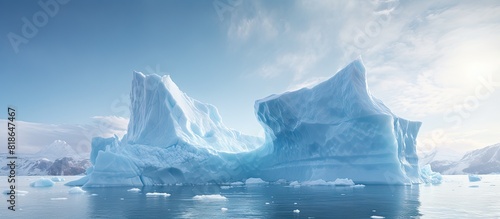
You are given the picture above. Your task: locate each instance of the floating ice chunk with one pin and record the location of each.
(280, 181)
(93, 194)
(250, 181)
(429, 176)
(76, 190)
(18, 192)
(122, 199)
(321, 182)
(223, 209)
(226, 187)
(377, 217)
(358, 186)
(343, 182)
(42, 182)
(237, 183)
(474, 178)
(296, 211)
(58, 199)
(295, 184)
(267, 203)
(156, 194)
(57, 179)
(318, 182)
(134, 190)
(209, 197)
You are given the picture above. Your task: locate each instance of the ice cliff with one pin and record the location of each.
(336, 129)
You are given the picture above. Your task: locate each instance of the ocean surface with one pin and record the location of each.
(456, 197)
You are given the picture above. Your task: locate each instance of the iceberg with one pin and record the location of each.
(57, 179)
(157, 194)
(253, 181)
(334, 130)
(474, 178)
(76, 190)
(209, 198)
(337, 129)
(429, 176)
(42, 182)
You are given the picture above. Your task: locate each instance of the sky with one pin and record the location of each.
(70, 63)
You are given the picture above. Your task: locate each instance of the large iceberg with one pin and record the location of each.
(336, 129)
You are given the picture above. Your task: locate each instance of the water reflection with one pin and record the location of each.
(269, 201)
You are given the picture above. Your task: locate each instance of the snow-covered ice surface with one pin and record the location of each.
(336, 129)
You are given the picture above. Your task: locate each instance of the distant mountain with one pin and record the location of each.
(58, 149)
(481, 161)
(58, 158)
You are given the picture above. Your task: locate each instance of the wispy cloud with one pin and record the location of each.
(35, 136)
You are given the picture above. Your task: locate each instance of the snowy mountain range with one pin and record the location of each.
(58, 158)
(481, 161)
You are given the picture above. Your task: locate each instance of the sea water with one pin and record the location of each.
(456, 197)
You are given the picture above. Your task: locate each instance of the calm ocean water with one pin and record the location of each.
(456, 197)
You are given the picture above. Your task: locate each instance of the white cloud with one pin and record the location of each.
(254, 22)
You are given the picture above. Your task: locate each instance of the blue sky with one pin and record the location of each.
(436, 62)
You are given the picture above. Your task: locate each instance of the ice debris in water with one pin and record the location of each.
(156, 194)
(18, 192)
(76, 190)
(42, 182)
(250, 181)
(134, 190)
(209, 197)
(474, 178)
(429, 176)
(57, 179)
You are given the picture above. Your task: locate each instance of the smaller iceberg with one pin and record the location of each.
(209, 198)
(57, 179)
(429, 176)
(76, 190)
(156, 194)
(474, 178)
(134, 190)
(343, 182)
(42, 182)
(254, 181)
